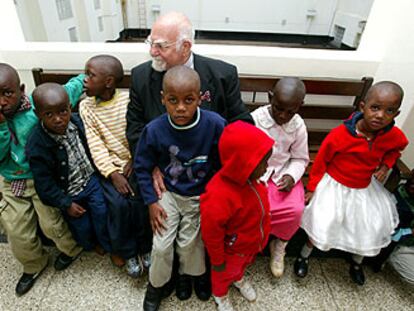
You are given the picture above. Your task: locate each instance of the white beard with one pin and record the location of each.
(158, 64)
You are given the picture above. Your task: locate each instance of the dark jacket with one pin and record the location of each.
(234, 210)
(220, 90)
(48, 161)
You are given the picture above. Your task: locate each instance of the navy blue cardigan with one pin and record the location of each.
(49, 164)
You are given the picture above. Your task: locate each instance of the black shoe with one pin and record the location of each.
(168, 288)
(202, 286)
(301, 266)
(26, 282)
(357, 274)
(184, 287)
(153, 297)
(63, 261)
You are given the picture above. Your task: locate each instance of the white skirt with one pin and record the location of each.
(358, 221)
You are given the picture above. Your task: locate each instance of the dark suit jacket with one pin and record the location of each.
(220, 88)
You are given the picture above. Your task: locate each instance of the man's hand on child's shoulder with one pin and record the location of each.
(121, 184)
(308, 196)
(75, 210)
(286, 183)
(381, 173)
(157, 218)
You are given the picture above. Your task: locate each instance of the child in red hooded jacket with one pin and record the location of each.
(235, 221)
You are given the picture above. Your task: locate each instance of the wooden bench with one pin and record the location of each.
(321, 110)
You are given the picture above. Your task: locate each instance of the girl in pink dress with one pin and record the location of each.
(286, 165)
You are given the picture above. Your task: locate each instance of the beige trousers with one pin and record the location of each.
(19, 217)
(183, 227)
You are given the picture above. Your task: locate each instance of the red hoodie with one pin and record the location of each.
(234, 210)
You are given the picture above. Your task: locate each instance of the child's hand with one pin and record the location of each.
(75, 210)
(157, 216)
(381, 173)
(121, 184)
(308, 196)
(285, 183)
(128, 169)
(158, 182)
(219, 268)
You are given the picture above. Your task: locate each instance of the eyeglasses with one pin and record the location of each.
(159, 45)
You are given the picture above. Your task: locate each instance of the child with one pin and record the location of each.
(403, 236)
(183, 144)
(235, 220)
(62, 170)
(286, 165)
(20, 207)
(349, 209)
(104, 115)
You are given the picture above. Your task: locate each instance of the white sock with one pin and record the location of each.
(357, 258)
(306, 251)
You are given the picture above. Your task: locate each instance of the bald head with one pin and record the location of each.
(108, 65)
(177, 23)
(10, 90)
(8, 72)
(180, 76)
(385, 88)
(290, 89)
(50, 95)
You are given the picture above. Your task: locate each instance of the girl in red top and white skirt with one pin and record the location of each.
(349, 209)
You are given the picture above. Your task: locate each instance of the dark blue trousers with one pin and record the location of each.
(92, 227)
(129, 228)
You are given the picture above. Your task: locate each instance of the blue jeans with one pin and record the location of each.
(92, 227)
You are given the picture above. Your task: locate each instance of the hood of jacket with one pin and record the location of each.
(241, 147)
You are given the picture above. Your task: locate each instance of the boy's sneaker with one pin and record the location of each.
(134, 268)
(277, 258)
(223, 303)
(26, 282)
(63, 261)
(153, 297)
(246, 289)
(146, 260)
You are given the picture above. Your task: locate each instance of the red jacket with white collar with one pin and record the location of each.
(351, 159)
(235, 210)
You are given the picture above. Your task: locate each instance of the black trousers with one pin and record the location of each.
(128, 222)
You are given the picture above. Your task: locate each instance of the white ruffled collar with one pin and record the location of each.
(266, 121)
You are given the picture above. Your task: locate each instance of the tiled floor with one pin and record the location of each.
(92, 283)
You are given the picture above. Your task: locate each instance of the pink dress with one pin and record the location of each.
(290, 157)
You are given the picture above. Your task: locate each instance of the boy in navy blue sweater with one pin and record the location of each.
(62, 168)
(183, 144)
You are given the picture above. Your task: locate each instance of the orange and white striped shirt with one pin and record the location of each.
(105, 126)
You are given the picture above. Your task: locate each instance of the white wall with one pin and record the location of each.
(274, 16)
(351, 14)
(388, 34)
(31, 20)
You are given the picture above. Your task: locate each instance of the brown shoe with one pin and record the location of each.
(99, 250)
(117, 261)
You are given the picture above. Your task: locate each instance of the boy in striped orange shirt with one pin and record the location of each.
(104, 115)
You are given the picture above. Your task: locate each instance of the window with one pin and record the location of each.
(64, 9)
(97, 4)
(100, 24)
(73, 35)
